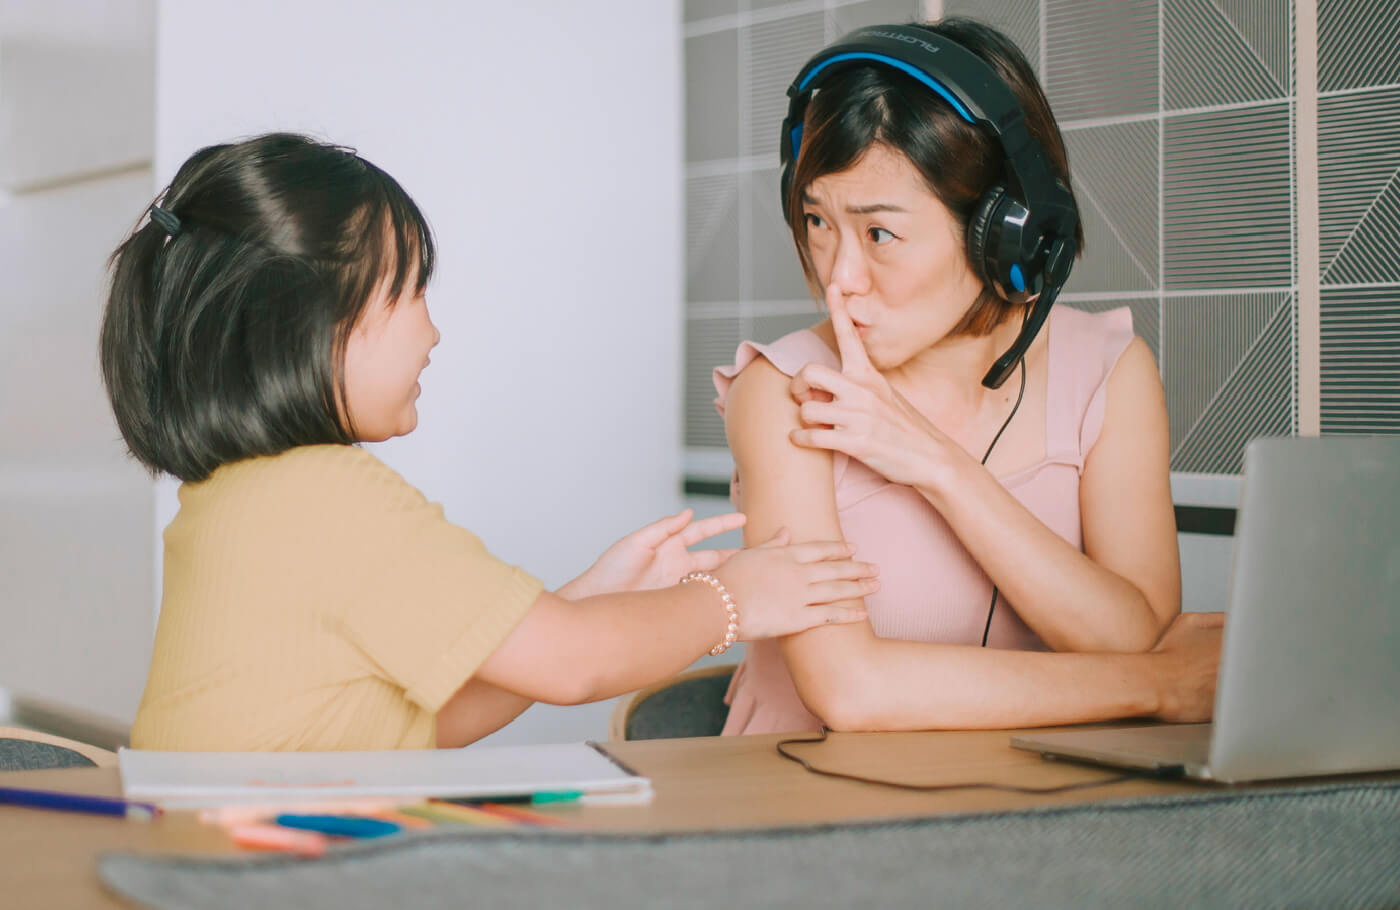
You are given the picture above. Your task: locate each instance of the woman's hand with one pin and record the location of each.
(1188, 655)
(655, 556)
(856, 411)
(780, 589)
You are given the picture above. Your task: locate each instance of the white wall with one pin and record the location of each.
(76, 115)
(542, 139)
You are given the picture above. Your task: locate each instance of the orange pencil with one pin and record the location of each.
(273, 837)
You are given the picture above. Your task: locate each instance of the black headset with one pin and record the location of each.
(1021, 238)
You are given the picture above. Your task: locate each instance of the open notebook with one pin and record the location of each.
(202, 779)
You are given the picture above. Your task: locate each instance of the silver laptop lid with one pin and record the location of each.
(1310, 672)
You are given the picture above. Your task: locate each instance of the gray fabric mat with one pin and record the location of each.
(1322, 846)
(28, 755)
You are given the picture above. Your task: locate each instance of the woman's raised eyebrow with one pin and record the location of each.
(875, 207)
(808, 199)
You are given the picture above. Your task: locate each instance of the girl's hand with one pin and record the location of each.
(780, 589)
(856, 411)
(655, 556)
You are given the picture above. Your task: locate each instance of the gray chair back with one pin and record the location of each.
(27, 755)
(688, 707)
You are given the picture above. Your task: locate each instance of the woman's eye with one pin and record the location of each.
(813, 221)
(880, 235)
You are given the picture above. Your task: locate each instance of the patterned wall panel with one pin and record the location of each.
(1228, 199)
(1100, 57)
(1361, 360)
(1224, 52)
(1359, 176)
(712, 238)
(1358, 44)
(777, 272)
(1229, 375)
(775, 51)
(1018, 19)
(1115, 174)
(1359, 213)
(709, 341)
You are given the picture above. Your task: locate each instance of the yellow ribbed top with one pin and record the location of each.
(316, 600)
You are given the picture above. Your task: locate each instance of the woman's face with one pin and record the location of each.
(384, 355)
(895, 252)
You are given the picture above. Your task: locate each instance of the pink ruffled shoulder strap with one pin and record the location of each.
(789, 354)
(1084, 349)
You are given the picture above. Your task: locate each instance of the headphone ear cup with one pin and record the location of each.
(977, 229)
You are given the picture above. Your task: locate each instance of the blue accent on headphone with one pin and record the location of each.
(1018, 281)
(902, 67)
(796, 140)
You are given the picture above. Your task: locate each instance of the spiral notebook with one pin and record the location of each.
(189, 780)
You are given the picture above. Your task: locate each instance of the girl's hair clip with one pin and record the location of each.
(166, 219)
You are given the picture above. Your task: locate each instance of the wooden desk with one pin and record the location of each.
(47, 859)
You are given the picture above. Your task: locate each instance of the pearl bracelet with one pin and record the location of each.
(731, 634)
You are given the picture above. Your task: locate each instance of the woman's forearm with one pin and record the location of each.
(1071, 602)
(889, 684)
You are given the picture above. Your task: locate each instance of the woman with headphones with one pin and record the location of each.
(1004, 462)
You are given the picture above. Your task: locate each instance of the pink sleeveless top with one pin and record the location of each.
(931, 589)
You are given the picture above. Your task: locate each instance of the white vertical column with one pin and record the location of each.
(1309, 244)
(77, 106)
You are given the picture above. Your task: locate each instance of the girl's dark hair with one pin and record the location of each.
(869, 105)
(225, 338)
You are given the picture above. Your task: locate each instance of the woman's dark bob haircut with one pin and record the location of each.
(225, 330)
(875, 105)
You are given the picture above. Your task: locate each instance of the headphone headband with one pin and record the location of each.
(970, 86)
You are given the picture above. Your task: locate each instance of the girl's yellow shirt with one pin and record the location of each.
(315, 600)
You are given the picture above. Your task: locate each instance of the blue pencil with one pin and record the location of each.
(73, 802)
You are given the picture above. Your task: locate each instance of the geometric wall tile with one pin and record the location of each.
(1359, 187)
(769, 256)
(1358, 43)
(1227, 192)
(1114, 171)
(694, 10)
(1101, 57)
(1229, 376)
(1361, 360)
(1147, 316)
(767, 329)
(708, 343)
(1214, 52)
(851, 16)
(1018, 19)
(774, 52)
(711, 90)
(712, 238)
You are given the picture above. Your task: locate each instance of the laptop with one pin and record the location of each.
(1309, 678)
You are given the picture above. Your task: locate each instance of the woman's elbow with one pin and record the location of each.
(843, 706)
(1134, 635)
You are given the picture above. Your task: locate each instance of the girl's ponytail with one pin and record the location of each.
(127, 340)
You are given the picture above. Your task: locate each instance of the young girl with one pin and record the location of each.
(267, 317)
